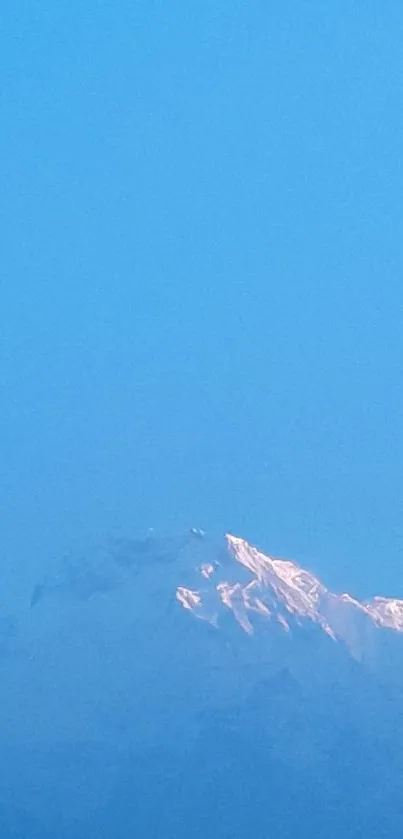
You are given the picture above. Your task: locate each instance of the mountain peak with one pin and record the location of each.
(213, 580)
(169, 643)
(282, 592)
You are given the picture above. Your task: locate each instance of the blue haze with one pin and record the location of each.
(201, 278)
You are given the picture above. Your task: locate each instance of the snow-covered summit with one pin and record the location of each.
(212, 653)
(282, 592)
(214, 580)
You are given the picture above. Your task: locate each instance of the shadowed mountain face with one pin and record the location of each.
(178, 687)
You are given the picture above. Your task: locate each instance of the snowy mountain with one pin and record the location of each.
(173, 686)
(282, 592)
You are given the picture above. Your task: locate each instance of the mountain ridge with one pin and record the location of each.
(211, 578)
(174, 684)
(281, 590)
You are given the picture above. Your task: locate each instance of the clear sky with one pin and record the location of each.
(201, 277)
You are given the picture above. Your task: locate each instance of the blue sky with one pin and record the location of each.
(201, 284)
